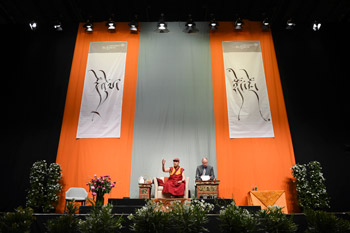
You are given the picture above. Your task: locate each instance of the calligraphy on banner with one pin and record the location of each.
(101, 106)
(248, 106)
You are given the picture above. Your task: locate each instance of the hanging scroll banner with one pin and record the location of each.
(248, 106)
(101, 105)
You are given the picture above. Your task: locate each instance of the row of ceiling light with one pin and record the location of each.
(190, 25)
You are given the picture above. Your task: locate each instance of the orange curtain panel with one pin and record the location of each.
(81, 158)
(244, 163)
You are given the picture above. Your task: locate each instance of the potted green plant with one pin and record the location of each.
(273, 220)
(323, 222)
(190, 216)
(45, 186)
(235, 219)
(151, 218)
(18, 221)
(310, 187)
(101, 220)
(67, 223)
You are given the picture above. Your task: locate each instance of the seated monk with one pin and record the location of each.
(176, 182)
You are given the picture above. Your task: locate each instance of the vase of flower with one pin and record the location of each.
(99, 186)
(100, 200)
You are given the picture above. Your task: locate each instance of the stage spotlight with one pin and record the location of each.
(290, 24)
(33, 25)
(190, 25)
(316, 26)
(266, 24)
(88, 26)
(239, 24)
(58, 26)
(133, 25)
(213, 24)
(161, 25)
(110, 25)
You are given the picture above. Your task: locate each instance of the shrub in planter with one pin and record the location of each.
(150, 218)
(311, 190)
(18, 221)
(101, 220)
(273, 220)
(68, 223)
(44, 186)
(235, 219)
(321, 221)
(190, 216)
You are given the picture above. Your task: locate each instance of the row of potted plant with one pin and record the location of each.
(192, 217)
(99, 220)
(178, 217)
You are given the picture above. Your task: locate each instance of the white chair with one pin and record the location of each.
(158, 189)
(76, 194)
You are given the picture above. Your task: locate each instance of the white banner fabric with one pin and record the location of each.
(101, 105)
(248, 106)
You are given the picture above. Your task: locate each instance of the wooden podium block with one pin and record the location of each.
(268, 198)
(207, 188)
(145, 191)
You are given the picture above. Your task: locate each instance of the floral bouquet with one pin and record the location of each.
(99, 186)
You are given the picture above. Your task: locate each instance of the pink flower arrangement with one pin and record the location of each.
(100, 185)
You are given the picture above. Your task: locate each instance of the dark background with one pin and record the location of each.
(35, 73)
(314, 74)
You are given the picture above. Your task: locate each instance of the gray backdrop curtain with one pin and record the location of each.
(174, 115)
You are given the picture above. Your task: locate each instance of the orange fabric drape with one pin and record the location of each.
(80, 159)
(244, 163)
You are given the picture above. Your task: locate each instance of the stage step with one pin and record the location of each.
(130, 209)
(129, 205)
(127, 201)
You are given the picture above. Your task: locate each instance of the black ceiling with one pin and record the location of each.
(74, 11)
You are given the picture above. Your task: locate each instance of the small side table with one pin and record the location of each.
(207, 188)
(265, 198)
(145, 191)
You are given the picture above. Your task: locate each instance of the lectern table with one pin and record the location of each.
(206, 189)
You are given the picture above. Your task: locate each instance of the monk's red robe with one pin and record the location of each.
(172, 186)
